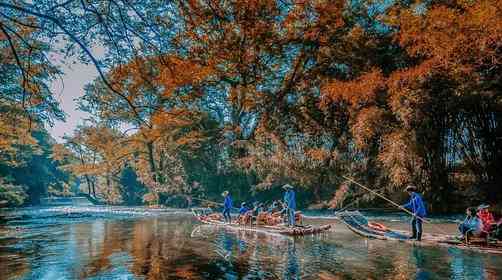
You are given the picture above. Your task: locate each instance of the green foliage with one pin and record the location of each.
(38, 171)
(12, 195)
(131, 189)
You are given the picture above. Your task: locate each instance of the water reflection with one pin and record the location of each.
(292, 270)
(470, 266)
(420, 263)
(176, 247)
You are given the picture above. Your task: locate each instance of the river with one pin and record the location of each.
(137, 243)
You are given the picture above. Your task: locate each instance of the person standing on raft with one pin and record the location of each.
(227, 206)
(290, 202)
(417, 208)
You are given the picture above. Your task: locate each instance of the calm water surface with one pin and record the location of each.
(133, 243)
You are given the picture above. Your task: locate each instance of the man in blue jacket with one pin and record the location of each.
(417, 207)
(227, 206)
(290, 201)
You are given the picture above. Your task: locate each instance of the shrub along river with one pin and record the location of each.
(138, 243)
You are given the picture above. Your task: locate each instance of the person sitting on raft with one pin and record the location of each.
(255, 211)
(244, 209)
(417, 208)
(227, 206)
(258, 208)
(273, 207)
(471, 225)
(244, 214)
(486, 217)
(278, 207)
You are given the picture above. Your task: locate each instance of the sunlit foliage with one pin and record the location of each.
(248, 95)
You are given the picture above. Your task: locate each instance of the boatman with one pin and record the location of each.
(417, 208)
(290, 202)
(227, 206)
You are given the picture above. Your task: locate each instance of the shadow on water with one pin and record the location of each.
(81, 244)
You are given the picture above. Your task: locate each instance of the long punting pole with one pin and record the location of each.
(213, 202)
(392, 202)
(205, 200)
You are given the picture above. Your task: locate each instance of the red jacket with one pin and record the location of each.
(486, 218)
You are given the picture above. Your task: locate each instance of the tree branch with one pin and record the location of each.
(84, 49)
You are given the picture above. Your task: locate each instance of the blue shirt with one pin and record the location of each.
(290, 199)
(243, 210)
(228, 203)
(473, 223)
(416, 205)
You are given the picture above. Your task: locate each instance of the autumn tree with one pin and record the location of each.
(265, 92)
(27, 106)
(26, 101)
(434, 119)
(158, 111)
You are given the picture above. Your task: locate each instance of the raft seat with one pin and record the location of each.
(476, 240)
(486, 236)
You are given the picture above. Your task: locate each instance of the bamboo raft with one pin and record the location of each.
(278, 229)
(358, 224)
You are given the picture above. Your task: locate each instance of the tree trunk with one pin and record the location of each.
(108, 186)
(151, 160)
(88, 180)
(94, 189)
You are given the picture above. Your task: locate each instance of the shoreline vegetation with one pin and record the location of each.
(193, 99)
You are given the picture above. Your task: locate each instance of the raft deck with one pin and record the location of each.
(284, 230)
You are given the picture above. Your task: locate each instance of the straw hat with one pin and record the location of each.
(287, 186)
(483, 206)
(410, 188)
(225, 193)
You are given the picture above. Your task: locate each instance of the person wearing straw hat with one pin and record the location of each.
(486, 217)
(227, 206)
(417, 207)
(290, 202)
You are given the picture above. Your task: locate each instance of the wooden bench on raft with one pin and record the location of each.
(486, 237)
(267, 219)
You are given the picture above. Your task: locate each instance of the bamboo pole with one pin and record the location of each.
(393, 203)
(205, 200)
(213, 202)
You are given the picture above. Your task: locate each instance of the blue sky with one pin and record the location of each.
(67, 90)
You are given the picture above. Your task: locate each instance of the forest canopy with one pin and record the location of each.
(197, 97)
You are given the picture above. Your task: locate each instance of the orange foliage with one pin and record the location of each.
(15, 132)
(318, 154)
(453, 38)
(339, 196)
(399, 157)
(161, 74)
(368, 123)
(300, 89)
(458, 43)
(359, 92)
